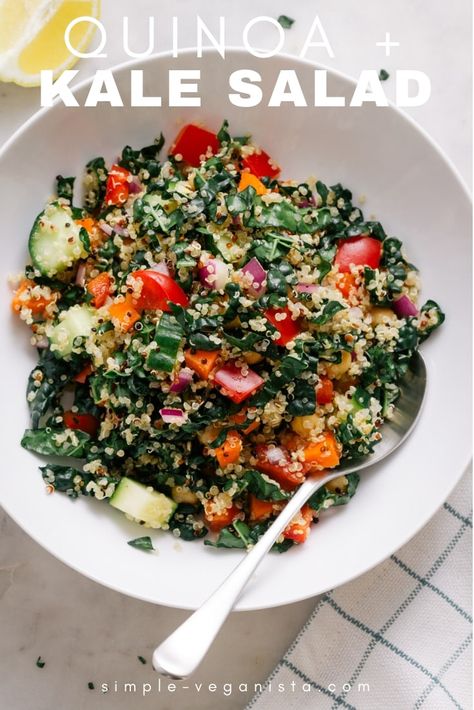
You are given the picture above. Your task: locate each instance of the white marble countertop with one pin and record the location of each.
(84, 632)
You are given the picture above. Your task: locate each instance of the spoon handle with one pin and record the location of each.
(181, 653)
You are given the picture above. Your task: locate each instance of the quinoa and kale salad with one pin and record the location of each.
(209, 334)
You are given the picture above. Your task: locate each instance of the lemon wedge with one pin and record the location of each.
(32, 36)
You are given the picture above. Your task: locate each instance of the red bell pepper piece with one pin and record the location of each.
(117, 187)
(158, 290)
(324, 391)
(236, 385)
(193, 141)
(83, 422)
(298, 529)
(276, 461)
(287, 327)
(261, 165)
(82, 376)
(360, 251)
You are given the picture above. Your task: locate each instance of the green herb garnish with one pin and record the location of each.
(141, 543)
(286, 22)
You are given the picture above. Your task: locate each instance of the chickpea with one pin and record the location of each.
(182, 494)
(340, 483)
(252, 358)
(335, 370)
(382, 316)
(307, 426)
(235, 323)
(208, 434)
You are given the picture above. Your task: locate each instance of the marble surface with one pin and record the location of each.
(86, 633)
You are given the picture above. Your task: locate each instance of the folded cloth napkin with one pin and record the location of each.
(397, 638)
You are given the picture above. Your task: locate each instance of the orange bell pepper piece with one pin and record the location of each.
(125, 313)
(201, 361)
(247, 179)
(99, 288)
(230, 450)
(323, 453)
(346, 283)
(23, 299)
(217, 521)
(259, 509)
(240, 417)
(88, 223)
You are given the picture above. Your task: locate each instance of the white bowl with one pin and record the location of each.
(416, 194)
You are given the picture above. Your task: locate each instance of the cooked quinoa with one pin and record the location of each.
(223, 333)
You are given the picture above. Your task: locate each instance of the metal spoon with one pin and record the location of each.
(181, 653)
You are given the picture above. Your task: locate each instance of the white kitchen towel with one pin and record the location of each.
(397, 638)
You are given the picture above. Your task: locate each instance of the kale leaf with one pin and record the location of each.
(51, 374)
(66, 479)
(263, 487)
(65, 187)
(142, 543)
(302, 401)
(45, 441)
(96, 185)
(318, 499)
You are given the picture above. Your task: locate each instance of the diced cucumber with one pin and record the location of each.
(232, 250)
(55, 242)
(360, 400)
(142, 504)
(76, 322)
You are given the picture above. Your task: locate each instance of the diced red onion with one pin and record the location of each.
(356, 312)
(258, 274)
(173, 416)
(184, 379)
(81, 274)
(404, 308)
(307, 288)
(161, 268)
(275, 455)
(121, 231)
(214, 274)
(42, 342)
(135, 186)
(106, 228)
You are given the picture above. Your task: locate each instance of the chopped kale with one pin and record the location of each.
(65, 187)
(56, 441)
(263, 487)
(96, 185)
(142, 543)
(66, 479)
(319, 500)
(286, 22)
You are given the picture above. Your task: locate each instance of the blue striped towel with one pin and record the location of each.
(396, 638)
